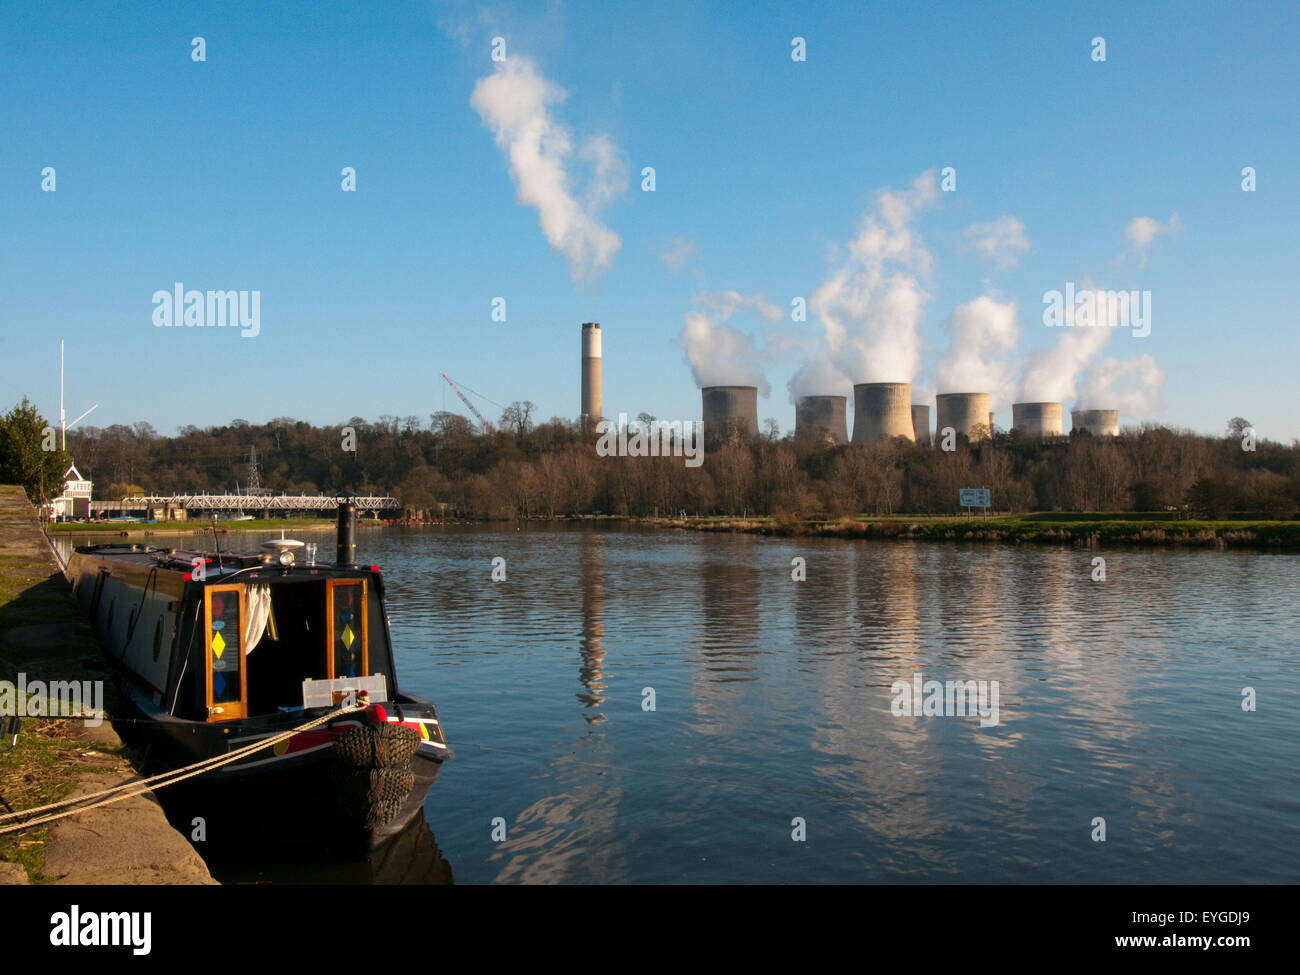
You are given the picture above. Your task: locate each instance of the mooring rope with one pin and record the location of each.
(163, 779)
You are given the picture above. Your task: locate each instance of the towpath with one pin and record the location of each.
(44, 635)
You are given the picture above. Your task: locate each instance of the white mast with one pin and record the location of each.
(63, 417)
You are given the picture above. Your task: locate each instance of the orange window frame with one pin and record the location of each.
(229, 710)
(330, 586)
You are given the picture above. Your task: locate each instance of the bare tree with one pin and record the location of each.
(733, 473)
(446, 424)
(517, 417)
(551, 484)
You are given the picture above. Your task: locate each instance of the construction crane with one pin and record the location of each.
(464, 399)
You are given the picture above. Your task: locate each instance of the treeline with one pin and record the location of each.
(551, 469)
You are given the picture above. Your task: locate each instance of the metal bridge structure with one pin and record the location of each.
(248, 503)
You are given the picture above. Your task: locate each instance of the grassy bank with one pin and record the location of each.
(42, 634)
(45, 636)
(42, 769)
(188, 527)
(1070, 528)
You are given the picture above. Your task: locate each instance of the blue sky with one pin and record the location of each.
(225, 174)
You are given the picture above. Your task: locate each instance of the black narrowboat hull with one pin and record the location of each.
(214, 661)
(297, 791)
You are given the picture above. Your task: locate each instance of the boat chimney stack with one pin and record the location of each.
(347, 535)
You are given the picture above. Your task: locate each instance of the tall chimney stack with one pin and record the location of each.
(590, 373)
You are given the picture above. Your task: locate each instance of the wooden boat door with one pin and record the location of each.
(345, 604)
(225, 677)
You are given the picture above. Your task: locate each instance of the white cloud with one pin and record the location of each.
(515, 103)
(727, 303)
(1000, 242)
(678, 252)
(1141, 231)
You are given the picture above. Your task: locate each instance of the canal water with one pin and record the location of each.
(650, 707)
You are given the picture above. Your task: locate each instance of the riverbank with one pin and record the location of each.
(1067, 528)
(190, 527)
(44, 636)
(1043, 528)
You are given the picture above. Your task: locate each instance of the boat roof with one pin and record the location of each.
(181, 561)
(171, 559)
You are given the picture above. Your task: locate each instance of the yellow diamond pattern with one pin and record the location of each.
(348, 637)
(218, 645)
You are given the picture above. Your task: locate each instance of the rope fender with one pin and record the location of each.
(372, 771)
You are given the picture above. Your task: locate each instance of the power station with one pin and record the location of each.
(730, 414)
(821, 419)
(591, 405)
(967, 413)
(1036, 420)
(882, 410)
(921, 424)
(1100, 423)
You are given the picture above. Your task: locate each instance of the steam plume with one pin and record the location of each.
(1131, 386)
(984, 334)
(720, 354)
(515, 103)
(870, 304)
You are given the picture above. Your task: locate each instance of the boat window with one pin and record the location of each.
(223, 614)
(379, 658)
(347, 613)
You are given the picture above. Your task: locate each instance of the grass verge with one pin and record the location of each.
(186, 527)
(1071, 529)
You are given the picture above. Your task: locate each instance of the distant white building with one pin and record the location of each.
(74, 502)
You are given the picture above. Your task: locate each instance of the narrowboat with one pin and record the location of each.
(214, 651)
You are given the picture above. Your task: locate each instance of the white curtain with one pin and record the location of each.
(258, 602)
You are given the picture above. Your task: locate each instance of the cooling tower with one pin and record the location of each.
(1100, 423)
(921, 425)
(821, 418)
(967, 413)
(730, 413)
(590, 372)
(882, 410)
(1037, 419)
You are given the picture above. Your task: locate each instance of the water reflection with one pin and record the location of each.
(591, 577)
(410, 857)
(571, 835)
(728, 600)
(863, 749)
(1118, 699)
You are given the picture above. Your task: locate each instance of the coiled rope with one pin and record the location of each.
(139, 786)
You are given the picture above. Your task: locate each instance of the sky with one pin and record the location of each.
(777, 178)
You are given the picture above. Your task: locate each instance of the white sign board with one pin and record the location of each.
(330, 693)
(975, 498)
